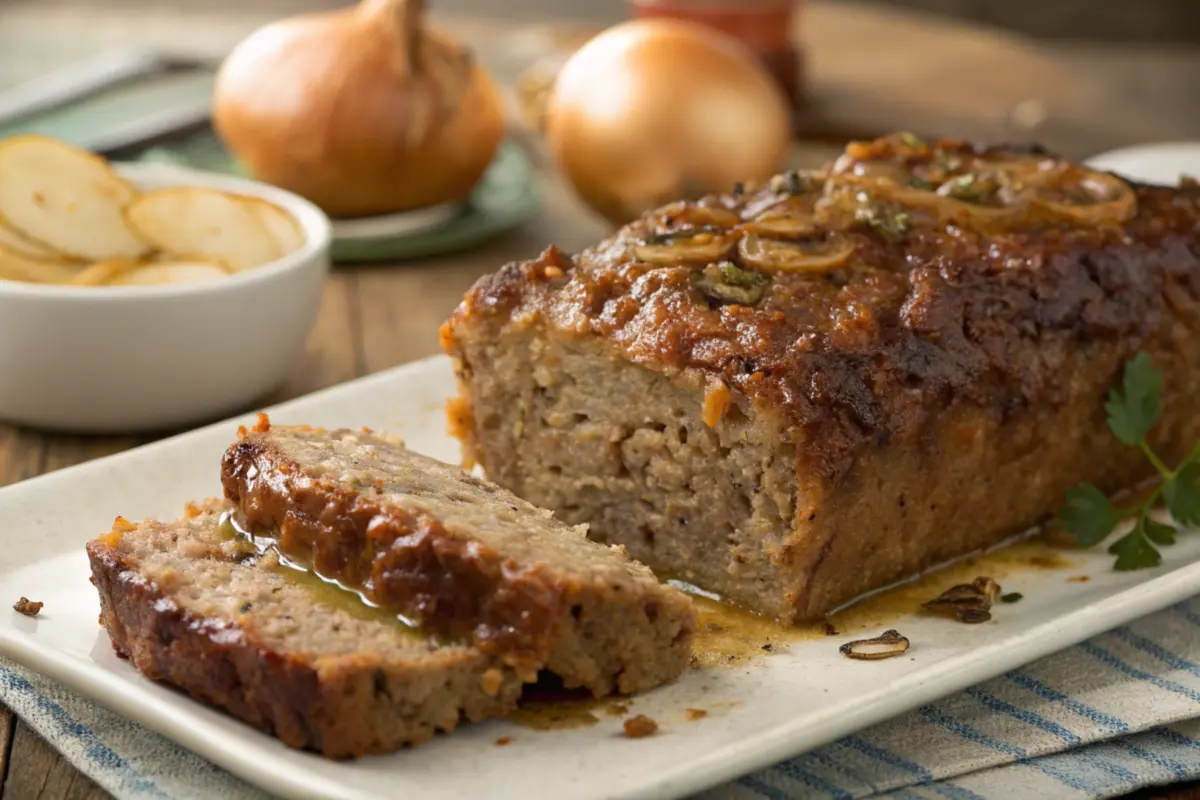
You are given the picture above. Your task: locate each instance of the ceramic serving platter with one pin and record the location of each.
(760, 709)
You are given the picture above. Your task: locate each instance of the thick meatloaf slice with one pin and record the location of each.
(805, 390)
(460, 555)
(191, 605)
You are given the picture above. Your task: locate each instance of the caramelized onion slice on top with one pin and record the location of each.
(784, 224)
(683, 215)
(683, 247)
(1082, 195)
(774, 255)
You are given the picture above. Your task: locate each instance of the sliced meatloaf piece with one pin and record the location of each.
(190, 604)
(804, 390)
(460, 555)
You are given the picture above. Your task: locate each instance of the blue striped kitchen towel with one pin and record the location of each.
(1116, 713)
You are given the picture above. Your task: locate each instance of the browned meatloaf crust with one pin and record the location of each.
(808, 389)
(192, 606)
(460, 555)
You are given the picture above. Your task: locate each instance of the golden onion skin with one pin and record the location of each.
(656, 110)
(361, 110)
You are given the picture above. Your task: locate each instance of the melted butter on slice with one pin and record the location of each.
(325, 591)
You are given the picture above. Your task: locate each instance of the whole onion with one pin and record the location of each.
(656, 110)
(362, 110)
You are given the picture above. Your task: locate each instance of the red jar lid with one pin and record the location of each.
(763, 26)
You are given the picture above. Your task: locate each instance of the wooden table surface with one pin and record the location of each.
(867, 66)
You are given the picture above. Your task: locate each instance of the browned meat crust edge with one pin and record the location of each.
(218, 663)
(408, 562)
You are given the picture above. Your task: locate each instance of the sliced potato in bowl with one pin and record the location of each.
(283, 226)
(24, 246)
(66, 199)
(17, 267)
(171, 272)
(103, 273)
(203, 225)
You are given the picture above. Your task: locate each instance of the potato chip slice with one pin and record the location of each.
(203, 225)
(103, 273)
(176, 272)
(282, 225)
(24, 246)
(66, 199)
(17, 267)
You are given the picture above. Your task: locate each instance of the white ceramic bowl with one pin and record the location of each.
(126, 359)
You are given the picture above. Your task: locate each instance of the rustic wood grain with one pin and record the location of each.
(8, 722)
(38, 772)
(20, 455)
(331, 354)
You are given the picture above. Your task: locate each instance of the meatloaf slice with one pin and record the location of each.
(190, 604)
(460, 555)
(807, 389)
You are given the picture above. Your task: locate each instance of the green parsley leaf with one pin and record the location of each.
(1133, 409)
(736, 276)
(1182, 494)
(1134, 550)
(889, 220)
(1011, 597)
(1088, 515)
(911, 140)
(1159, 533)
(947, 162)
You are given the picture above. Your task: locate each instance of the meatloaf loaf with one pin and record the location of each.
(807, 389)
(459, 556)
(192, 605)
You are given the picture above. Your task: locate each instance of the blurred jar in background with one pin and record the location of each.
(763, 26)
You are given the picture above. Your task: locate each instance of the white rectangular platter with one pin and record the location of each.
(762, 712)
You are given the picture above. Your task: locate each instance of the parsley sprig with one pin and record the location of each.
(1090, 517)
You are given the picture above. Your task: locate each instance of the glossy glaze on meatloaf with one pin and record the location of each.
(192, 605)
(804, 390)
(460, 555)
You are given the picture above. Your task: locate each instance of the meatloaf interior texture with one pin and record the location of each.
(801, 391)
(191, 604)
(460, 555)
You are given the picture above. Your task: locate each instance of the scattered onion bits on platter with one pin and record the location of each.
(68, 218)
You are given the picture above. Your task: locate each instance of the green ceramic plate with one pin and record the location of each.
(506, 197)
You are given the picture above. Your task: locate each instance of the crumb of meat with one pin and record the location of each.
(491, 681)
(241, 432)
(263, 423)
(503, 740)
(640, 726)
(830, 630)
(694, 714)
(716, 402)
(768, 647)
(1079, 579)
(29, 608)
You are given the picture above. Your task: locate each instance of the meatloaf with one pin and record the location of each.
(803, 390)
(191, 605)
(459, 556)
